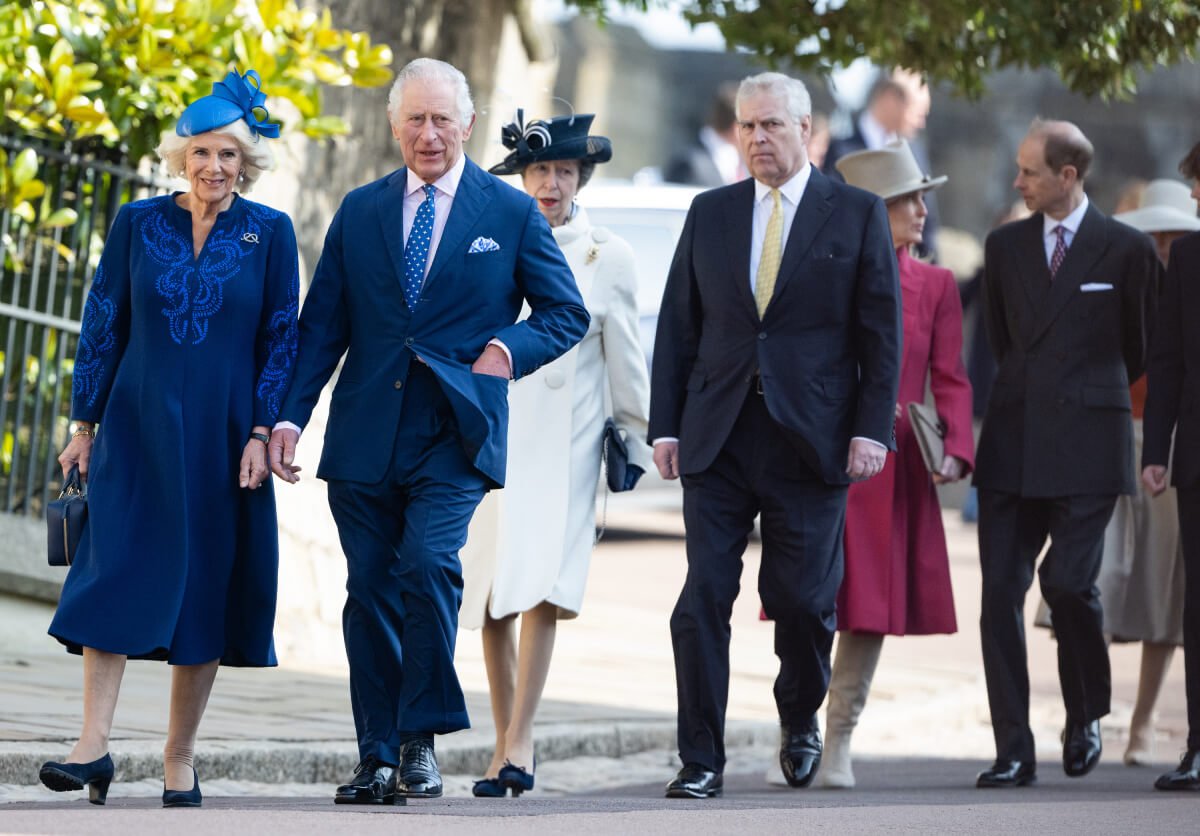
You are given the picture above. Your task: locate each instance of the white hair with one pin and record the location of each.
(257, 156)
(431, 69)
(791, 90)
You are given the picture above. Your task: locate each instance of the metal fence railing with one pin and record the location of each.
(45, 274)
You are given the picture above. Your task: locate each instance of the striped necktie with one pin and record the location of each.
(772, 254)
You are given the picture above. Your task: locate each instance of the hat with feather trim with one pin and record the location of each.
(544, 140)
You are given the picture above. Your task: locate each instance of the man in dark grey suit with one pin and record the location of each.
(775, 373)
(1065, 299)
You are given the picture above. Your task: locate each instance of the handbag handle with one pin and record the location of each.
(73, 485)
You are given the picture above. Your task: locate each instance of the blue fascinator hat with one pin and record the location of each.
(236, 97)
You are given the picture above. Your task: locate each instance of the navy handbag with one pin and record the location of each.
(619, 473)
(65, 519)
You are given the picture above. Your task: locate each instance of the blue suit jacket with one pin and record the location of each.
(355, 306)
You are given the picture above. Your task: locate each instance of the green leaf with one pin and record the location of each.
(24, 167)
(63, 217)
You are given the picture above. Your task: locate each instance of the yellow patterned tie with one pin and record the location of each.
(772, 254)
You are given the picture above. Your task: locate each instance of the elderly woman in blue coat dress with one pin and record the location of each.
(186, 349)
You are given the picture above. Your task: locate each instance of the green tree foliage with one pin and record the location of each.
(1096, 46)
(121, 71)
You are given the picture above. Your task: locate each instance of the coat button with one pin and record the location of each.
(762, 335)
(555, 378)
(399, 384)
(408, 340)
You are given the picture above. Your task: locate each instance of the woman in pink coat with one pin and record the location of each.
(897, 578)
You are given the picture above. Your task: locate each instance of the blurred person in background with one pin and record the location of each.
(897, 579)
(818, 139)
(529, 546)
(1173, 420)
(713, 159)
(881, 121)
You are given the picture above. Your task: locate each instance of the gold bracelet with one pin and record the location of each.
(83, 431)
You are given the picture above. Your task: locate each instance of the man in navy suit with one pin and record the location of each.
(1066, 294)
(776, 367)
(420, 284)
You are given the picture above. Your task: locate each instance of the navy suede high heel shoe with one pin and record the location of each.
(96, 776)
(183, 798)
(489, 788)
(517, 778)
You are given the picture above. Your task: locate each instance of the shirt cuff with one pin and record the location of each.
(664, 439)
(286, 425)
(507, 353)
(871, 440)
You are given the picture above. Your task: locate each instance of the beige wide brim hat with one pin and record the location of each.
(1167, 206)
(889, 172)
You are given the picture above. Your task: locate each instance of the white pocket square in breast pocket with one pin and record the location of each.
(1092, 287)
(487, 245)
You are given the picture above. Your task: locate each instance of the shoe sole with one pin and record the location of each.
(1006, 785)
(182, 804)
(715, 793)
(59, 781)
(363, 798)
(423, 794)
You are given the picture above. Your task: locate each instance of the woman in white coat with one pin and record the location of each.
(529, 545)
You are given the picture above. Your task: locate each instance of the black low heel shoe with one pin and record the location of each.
(516, 778)
(489, 788)
(184, 798)
(96, 776)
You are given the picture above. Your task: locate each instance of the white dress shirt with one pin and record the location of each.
(1071, 223)
(791, 192)
(414, 196)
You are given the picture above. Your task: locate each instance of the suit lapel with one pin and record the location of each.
(472, 197)
(1033, 270)
(816, 205)
(739, 219)
(1086, 249)
(389, 208)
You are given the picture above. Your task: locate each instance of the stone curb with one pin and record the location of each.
(323, 761)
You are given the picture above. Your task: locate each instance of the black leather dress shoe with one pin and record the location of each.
(1081, 748)
(800, 754)
(1186, 776)
(374, 782)
(696, 781)
(419, 776)
(1008, 774)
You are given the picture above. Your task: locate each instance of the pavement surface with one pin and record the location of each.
(275, 742)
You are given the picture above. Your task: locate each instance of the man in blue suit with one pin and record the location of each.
(420, 284)
(776, 366)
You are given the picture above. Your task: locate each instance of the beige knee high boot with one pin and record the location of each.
(853, 668)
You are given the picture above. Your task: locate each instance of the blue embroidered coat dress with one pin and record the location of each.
(178, 358)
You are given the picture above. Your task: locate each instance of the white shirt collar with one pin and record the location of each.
(446, 184)
(793, 189)
(874, 135)
(1071, 221)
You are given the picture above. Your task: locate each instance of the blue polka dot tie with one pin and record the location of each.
(416, 251)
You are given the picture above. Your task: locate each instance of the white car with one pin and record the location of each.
(651, 219)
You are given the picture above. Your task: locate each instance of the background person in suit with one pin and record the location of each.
(1173, 407)
(713, 159)
(773, 386)
(897, 579)
(420, 284)
(529, 546)
(1065, 299)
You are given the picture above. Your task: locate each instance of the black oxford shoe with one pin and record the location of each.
(1186, 776)
(419, 776)
(696, 781)
(374, 782)
(1008, 774)
(800, 754)
(1081, 748)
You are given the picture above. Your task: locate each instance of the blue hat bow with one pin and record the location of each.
(236, 97)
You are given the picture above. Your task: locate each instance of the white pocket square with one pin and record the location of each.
(487, 245)
(1092, 287)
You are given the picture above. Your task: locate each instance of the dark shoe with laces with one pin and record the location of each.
(696, 781)
(1005, 773)
(419, 776)
(1186, 776)
(800, 753)
(374, 782)
(1081, 748)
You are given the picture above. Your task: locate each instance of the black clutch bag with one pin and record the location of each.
(618, 472)
(65, 519)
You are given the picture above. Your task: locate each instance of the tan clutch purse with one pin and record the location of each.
(930, 432)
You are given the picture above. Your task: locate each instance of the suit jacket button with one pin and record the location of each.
(408, 340)
(399, 384)
(762, 335)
